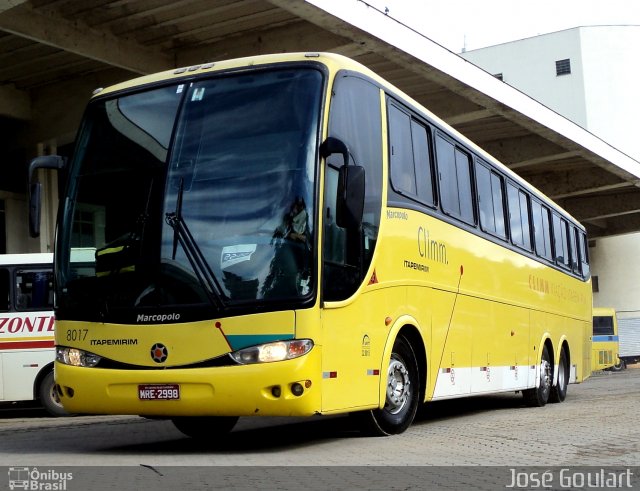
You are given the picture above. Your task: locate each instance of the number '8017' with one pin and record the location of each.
(77, 334)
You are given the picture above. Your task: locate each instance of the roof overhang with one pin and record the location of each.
(54, 52)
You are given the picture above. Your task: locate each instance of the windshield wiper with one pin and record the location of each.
(182, 235)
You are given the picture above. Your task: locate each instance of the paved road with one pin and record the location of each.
(597, 425)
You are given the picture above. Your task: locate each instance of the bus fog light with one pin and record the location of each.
(276, 391)
(297, 389)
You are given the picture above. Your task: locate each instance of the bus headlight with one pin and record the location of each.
(76, 357)
(269, 352)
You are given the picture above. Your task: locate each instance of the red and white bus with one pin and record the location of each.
(26, 330)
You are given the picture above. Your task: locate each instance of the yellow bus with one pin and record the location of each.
(605, 340)
(292, 235)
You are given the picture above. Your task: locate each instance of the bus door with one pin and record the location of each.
(350, 369)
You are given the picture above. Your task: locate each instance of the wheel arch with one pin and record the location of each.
(546, 341)
(408, 327)
(44, 371)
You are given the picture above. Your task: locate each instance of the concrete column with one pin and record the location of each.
(49, 180)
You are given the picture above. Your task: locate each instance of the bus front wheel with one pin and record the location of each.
(48, 396)
(538, 396)
(402, 394)
(205, 427)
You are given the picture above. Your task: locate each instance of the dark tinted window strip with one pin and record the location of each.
(395, 199)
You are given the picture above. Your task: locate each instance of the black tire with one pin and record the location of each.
(559, 391)
(403, 394)
(538, 396)
(618, 367)
(49, 397)
(205, 427)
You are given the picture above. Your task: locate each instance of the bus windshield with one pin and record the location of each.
(192, 194)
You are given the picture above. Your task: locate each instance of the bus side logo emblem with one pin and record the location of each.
(159, 352)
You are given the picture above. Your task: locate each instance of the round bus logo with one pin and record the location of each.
(159, 352)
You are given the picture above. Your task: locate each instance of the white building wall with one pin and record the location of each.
(600, 94)
(529, 65)
(611, 75)
(615, 264)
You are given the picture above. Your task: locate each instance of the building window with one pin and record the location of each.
(595, 287)
(563, 67)
(88, 225)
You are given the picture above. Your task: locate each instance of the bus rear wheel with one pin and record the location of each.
(402, 394)
(621, 365)
(49, 397)
(205, 427)
(559, 391)
(538, 396)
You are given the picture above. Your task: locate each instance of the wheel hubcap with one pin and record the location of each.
(55, 397)
(398, 386)
(545, 375)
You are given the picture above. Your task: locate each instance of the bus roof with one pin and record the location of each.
(604, 311)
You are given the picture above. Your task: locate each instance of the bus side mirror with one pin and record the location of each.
(350, 198)
(334, 145)
(351, 185)
(35, 189)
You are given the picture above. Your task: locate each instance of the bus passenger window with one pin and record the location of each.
(455, 181)
(575, 249)
(34, 290)
(519, 217)
(584, 255)
(490, 198)
(409, 156)
(5, 290)
(541, 229)
(422, 159)
(561, 240)
(403, 175)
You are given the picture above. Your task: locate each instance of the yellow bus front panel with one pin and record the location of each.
(250, 390)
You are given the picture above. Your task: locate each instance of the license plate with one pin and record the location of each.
(159, 392)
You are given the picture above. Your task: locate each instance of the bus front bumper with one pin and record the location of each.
(287, 388)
